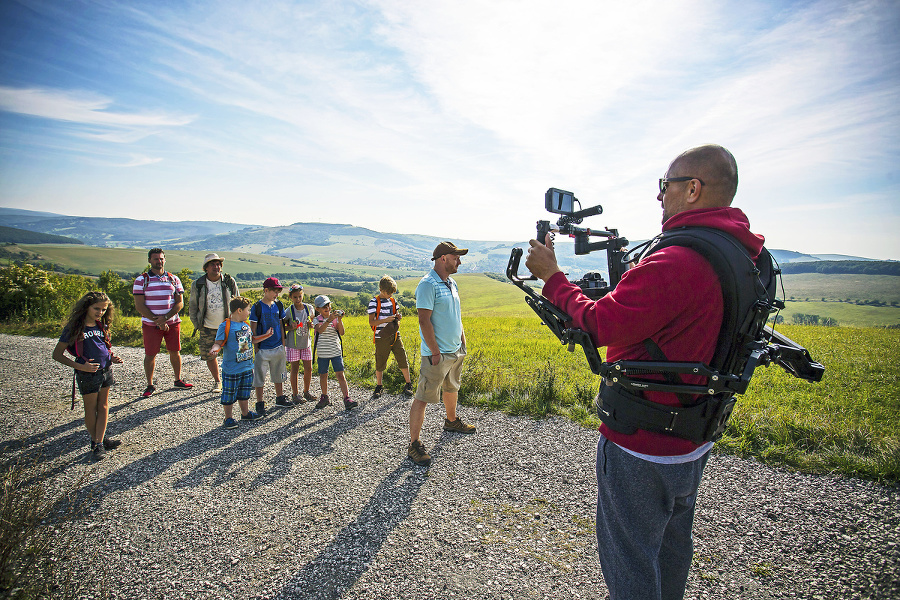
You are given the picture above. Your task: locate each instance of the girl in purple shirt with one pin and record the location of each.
(86, 337)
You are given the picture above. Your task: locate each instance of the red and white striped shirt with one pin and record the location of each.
(159, 294)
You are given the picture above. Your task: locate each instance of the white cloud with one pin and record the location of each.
(78, 107)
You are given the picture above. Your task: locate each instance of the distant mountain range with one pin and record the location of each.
(308, 241)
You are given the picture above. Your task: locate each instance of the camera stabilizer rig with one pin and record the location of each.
(758, 343)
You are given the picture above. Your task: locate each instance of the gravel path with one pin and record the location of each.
(323, 504)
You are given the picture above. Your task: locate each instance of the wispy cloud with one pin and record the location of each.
(79, 107)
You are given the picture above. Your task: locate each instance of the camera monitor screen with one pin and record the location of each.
(560, 202)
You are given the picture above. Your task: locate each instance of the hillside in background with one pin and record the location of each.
(319, 242)
(12, 235)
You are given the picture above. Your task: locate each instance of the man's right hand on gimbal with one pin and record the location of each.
(541, 259)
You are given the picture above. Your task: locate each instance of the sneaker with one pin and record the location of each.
(283, 401)
(323, 401)
(250, 416)
(217, 387)
(148, 391)
(111, 444)
(377, 393)
(179, 383)
(307, 397)
(99, 452)
(348, 403)
(230, 423)
(298, 399)
(418, 455)
(458, 426)
(261, 409)
(407, 390)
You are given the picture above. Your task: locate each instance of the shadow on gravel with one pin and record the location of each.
(72, 436)
(315, 443)
(340, 565)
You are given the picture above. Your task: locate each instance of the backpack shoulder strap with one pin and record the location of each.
(748, 286)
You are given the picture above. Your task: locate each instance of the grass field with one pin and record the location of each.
(815, 286)
(95, 260)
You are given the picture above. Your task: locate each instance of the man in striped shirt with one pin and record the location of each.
(158, 296)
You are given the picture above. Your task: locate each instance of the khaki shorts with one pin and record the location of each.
(383, 349)
(443, 376)
(207, 340)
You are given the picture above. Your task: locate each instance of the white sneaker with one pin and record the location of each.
(217, 387)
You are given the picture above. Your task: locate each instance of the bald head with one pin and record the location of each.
(716, 167)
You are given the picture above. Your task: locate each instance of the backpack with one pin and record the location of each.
(149, 274)
(291, 330)
(316, 341)
(79, 352)
(227, 281)
(257, 312)
(389, 328)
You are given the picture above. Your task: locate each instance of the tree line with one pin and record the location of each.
(843, 267)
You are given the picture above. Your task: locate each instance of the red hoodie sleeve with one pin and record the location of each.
(673, 297)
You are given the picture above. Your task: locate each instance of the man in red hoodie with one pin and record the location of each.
(647, 482)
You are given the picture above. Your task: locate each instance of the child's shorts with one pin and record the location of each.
(91, 383)
(271, 360)
(294, 354)
(336, 362)
(236, 387)
(383, 349)
(153, 337)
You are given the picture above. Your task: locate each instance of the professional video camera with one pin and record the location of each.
(744, 343)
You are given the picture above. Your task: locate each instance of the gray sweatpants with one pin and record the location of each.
(645, 512)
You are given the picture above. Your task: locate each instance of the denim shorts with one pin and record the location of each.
(337, 363)
(91, 383)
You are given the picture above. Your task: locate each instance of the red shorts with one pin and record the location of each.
(153, 337)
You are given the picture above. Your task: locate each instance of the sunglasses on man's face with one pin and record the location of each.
(665, 181)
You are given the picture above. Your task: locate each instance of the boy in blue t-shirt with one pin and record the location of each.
(268, 313)
(234, 335)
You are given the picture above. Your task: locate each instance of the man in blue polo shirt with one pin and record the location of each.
(443, 348)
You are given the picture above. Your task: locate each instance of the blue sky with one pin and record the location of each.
(452, 118)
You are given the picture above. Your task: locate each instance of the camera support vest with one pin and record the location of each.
(748, 294)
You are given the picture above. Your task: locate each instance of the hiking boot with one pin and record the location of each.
(148, 391)
(179, 383)
(348, 403)
(458, 426)
(250, 416)
(230, 424)
(307, 397)
(417, 454)
(111, 444)
(283, 401)
(377, 393)
(261, 409)
(323, 401)
(99, 452)
(407, 389)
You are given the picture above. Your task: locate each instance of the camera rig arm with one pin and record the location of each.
(552, 316)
